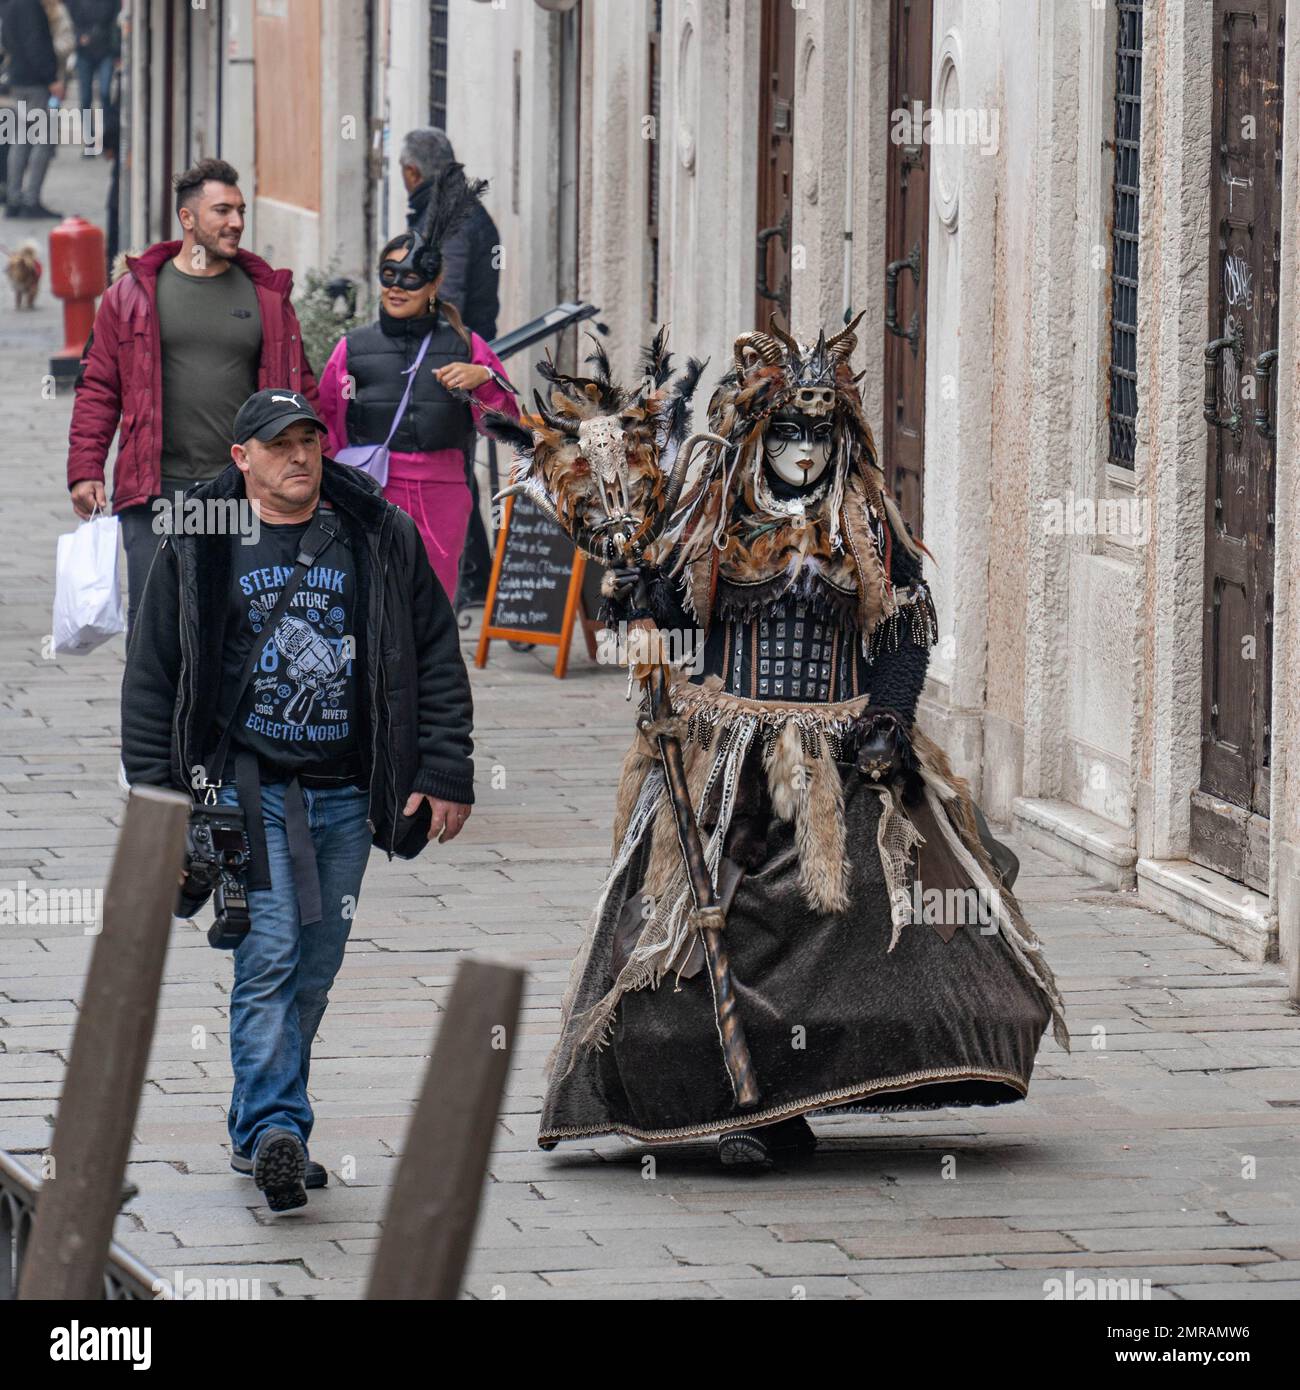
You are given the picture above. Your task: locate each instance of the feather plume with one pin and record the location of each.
(595, 395)
(505, 429)
(451, 201)
(677, 408)
(600, 359)
(656, 361)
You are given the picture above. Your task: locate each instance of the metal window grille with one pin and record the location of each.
(1124, 236)
(438, 64)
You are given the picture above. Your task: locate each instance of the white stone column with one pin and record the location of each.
(1173, 314)
(1048, 378)
(617, 138)
(820, 145)
(503, 122)
(405, 89)
(708, 172)
(342, 229)
(964, 383)
(238, 123)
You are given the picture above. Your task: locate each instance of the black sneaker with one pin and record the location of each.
(759, 1148)
(40, 210)
(314, 1174)
(279, 1163)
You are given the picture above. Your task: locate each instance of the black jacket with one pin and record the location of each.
(97, 20)
(469, 272)
(27, 41)
(419, 712)
(379, 355)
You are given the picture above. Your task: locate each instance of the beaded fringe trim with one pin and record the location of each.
(915, 616)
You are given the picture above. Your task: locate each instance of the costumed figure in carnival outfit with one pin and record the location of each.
(804, 909)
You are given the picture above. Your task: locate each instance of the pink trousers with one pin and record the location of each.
(431, 489)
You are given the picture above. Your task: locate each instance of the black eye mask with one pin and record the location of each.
(796, 430)
(391, 274)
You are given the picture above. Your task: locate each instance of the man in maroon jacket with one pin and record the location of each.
(180, 342)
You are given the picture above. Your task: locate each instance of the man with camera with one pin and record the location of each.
(309, 691)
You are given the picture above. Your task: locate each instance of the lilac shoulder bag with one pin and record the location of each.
(373, 458)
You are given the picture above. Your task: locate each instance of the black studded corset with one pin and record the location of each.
(789, 649)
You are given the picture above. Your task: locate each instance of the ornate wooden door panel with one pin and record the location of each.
(775, 162)
(1230, 809)
(907, 223)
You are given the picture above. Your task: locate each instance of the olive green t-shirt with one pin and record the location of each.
(211, 347)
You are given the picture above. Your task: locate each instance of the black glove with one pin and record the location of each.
(885, 751)
(618, 588)
(626, 591)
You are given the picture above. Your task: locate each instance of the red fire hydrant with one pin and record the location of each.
(77, 277)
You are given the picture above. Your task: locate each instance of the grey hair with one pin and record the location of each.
(428, 149)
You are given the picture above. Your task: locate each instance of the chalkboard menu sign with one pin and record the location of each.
(536, 587)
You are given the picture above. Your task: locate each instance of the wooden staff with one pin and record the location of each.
(708, 916)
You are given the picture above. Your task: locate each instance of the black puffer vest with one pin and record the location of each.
(378, 355)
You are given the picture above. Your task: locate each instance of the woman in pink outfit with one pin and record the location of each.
(458, 377)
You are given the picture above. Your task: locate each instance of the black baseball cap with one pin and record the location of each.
(265, 413)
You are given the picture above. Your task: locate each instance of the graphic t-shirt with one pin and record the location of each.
(300, 710)
(211, 333)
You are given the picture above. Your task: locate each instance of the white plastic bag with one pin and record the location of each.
(87, 595)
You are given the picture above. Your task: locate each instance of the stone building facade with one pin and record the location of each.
(1057, 205)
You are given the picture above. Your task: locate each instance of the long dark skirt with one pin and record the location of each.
(833, 1017)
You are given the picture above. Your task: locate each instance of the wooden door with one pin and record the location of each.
(1230, 808)
(775, 162)
(907, 223)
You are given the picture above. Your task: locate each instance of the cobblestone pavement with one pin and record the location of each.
(1163, 1149)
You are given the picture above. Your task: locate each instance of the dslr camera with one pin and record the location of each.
(217, 860)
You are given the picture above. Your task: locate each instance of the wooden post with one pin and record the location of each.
(73, 1227)
(434, 1206)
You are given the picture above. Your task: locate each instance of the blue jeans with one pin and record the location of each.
(283, 972)
(88, 70)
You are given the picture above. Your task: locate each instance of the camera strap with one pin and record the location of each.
(322, 532)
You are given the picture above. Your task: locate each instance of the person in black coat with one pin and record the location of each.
(336, 718)
(98, 44)
(33, 79)
(470, 277)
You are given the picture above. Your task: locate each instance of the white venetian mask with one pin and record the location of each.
(797, 448)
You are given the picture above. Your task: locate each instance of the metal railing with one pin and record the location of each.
(546, 325)
(56, 1237)
(125, 1277)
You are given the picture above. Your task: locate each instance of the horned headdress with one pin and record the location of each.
(728, 509)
